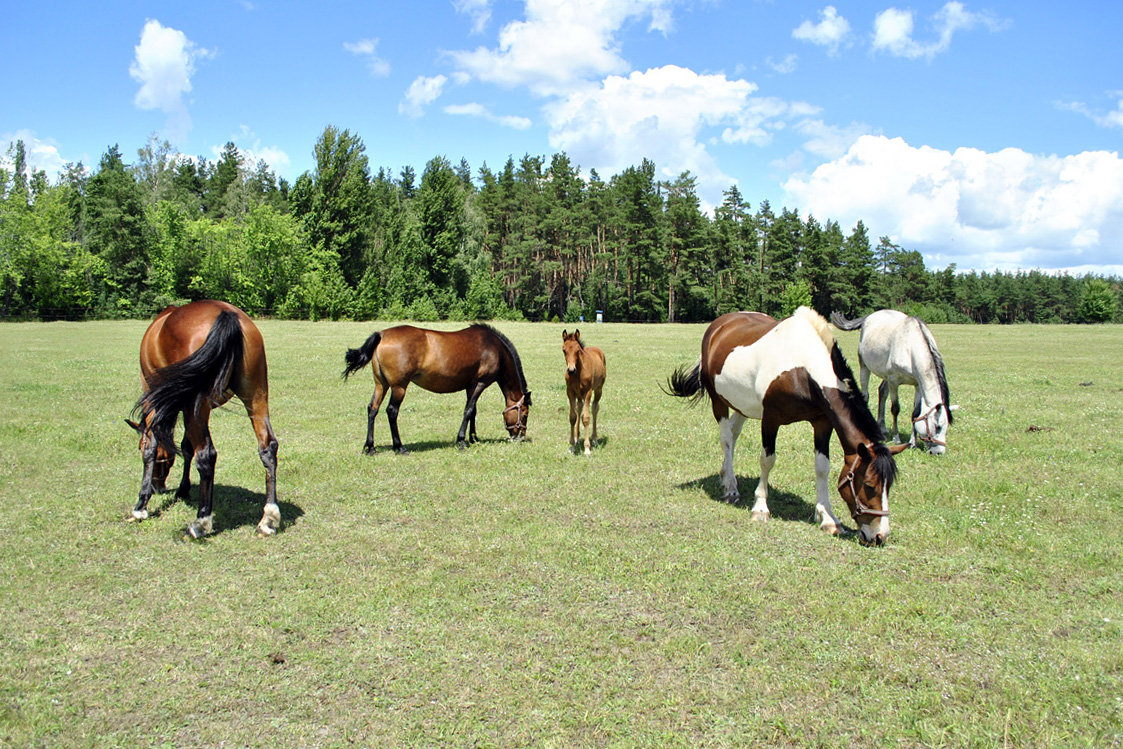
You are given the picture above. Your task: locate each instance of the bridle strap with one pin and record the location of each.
(929, 427)
(860, 507)
(517, 408)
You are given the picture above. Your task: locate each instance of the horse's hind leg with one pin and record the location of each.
(895, 409)
(267, 450)
(596, 408)
(372, 411)
(730, 428)
(205, 458)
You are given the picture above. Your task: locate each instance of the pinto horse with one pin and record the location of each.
(194, 359)
(441, 362)
(584, 379)
(901, 351)
(782, 372)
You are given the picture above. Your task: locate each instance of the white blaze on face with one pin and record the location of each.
(880, 525)
(749, 370)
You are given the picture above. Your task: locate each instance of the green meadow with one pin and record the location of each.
(516, 594)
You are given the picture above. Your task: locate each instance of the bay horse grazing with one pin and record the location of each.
(584, 380)
(442, 362)
(194, 359)
(901, 351)
(782, 372)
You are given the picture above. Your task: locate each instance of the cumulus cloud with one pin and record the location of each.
(479, 110)
(659, 114)
(366, 49)
(253, 150)
(39, 155)
(421, 93)
(893, 30)
(560, 43)
(1004, 210)
(831, 31)
(163, 64)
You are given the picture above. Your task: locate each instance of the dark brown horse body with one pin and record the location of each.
(442, 362)
(782, 372)
(584, 380)
(193, 359)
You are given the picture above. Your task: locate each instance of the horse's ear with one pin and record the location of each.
(565, 335)
(134, 425)
(527, 396)
(894, 449)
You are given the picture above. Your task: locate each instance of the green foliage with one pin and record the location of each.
(795, 295)
(1099, 301)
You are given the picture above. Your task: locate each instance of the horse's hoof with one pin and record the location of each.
(588, 451)
(732, 498)
(461, 445)
(830, 528)
(368, 449)
(265, 531)
(136, 516)
(201, 527)
(402, 451)
(761, 516)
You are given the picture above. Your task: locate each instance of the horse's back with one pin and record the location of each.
(436, 360)
(886, 345)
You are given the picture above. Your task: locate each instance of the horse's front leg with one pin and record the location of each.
(469, 415)
(188, 452)
(585, 418)
(572, 419)
(824, 515)
(267, 446)
(730, 428)
(768, 432)
(895, 409)
(140, 511)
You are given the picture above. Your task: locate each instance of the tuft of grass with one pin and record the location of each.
(516, 593)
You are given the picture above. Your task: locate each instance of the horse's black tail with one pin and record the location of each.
(684, 383)
(206, 372)
(357, 358)
(842, 323)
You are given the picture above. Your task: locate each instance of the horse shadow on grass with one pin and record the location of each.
(782, 504)
(235, 507)
(429, 445)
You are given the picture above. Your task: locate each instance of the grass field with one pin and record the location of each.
(516, 594)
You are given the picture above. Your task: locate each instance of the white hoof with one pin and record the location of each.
(270, 521)
(761, 516)
(201, 527)
(136, 516)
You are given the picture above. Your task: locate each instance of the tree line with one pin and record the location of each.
(533, 240)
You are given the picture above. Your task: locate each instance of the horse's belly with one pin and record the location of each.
(739, 389)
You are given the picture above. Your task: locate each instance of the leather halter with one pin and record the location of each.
(517, 408)
(860, 507)
(928, 427)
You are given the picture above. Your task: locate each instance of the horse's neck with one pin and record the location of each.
(927, 376)
(850, 434)
(509, 381)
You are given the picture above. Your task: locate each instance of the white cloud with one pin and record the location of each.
(1004, 210)
(785, 66)
(250, 147)
(658, 114)
(479, 110)
(831, 31)
(478, 10)
(39, 154)
(1113, 118)
(420, 94)
(163, 64)
(561, 43)
(893, 30)
(366, 48)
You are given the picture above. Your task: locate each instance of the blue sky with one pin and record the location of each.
(984, 134)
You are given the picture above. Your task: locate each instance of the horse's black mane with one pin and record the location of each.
(883, 463)
(514, 355)
(938, 362)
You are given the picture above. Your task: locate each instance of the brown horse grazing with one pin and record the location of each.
(584, 379)
(782, 372)
(193, 359)
(468, 360)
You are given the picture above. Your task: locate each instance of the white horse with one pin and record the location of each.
(901, 351)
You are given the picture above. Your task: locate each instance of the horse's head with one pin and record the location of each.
(931, 427)
(864, 485)
(571, 347)
(516, 414)
(164, 458)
